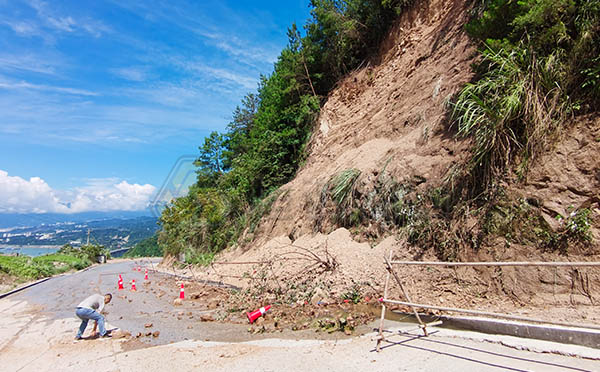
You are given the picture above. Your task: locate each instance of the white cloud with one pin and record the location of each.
(219, 74)
(23, 28)
(48, 88)
(18, 195)
(62, 23)
(239, 49)
(137, 74)
(21, 196)
(33, 63)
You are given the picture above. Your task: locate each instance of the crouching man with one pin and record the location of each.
(89, 309)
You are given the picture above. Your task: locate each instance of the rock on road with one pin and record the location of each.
(37, 327)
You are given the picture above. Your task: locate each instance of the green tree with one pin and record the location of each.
(211, 161)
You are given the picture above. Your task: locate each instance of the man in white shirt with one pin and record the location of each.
(89, 309)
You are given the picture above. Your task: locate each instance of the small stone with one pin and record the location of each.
(148, 334)
(178, 302)
(318, 296)
(120, 334)
(138, 335)
(181, 313)
(260, 321)
(213, 304)
(206, 318)
(148, 325)
(156, 334)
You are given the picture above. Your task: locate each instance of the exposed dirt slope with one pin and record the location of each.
(568, 177)
(393, 111)
(391, 114)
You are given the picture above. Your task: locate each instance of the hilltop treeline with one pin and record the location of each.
(264, 143)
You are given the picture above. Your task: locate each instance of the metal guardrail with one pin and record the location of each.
(414, 306)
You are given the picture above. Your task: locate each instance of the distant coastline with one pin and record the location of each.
(28, 250)
(16, 246)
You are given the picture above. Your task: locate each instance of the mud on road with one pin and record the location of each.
(154, 315)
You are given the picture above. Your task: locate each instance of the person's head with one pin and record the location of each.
(107, 298)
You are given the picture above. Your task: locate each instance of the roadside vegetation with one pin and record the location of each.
(25, 268)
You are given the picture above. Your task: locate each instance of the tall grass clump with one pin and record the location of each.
(539, 66)
(512, 111)
(341, 189)
(341, 186)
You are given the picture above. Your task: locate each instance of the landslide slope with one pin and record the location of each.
(389, 119)
(390, 114)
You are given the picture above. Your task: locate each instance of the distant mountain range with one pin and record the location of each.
(113, 230)
(34, 219)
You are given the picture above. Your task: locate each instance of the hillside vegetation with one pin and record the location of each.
(239, 171)
(536, 73)
(22, 268)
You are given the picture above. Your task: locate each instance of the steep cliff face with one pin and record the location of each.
(567, 177)
(390, 119)
(389, 114)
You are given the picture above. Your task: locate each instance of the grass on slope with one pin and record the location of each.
(27, 268)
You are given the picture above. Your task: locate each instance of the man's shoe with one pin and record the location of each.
(77, 338)
(106, 335)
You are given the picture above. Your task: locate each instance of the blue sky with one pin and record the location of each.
(97, 93)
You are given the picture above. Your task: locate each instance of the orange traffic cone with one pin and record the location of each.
(146, 275)
(139, 269)
(257, 313)
(181, 292)
(133, 288)
(120, 282)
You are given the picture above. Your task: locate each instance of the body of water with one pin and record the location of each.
(28, 251)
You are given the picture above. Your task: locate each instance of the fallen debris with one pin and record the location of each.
(120, 334)
(206, 318)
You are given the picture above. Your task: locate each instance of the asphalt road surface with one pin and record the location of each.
(131, 310)
(38, 325)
